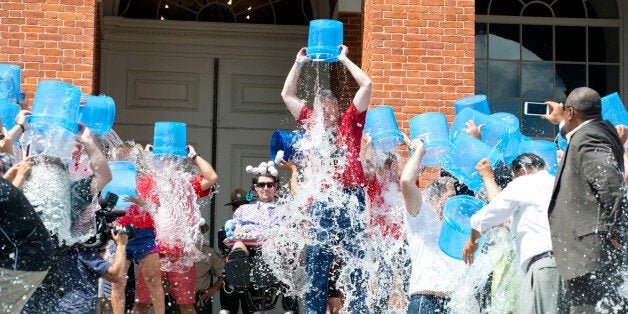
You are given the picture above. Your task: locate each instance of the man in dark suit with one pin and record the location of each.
(588, 208)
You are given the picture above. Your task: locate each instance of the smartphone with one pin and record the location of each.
(532, 108)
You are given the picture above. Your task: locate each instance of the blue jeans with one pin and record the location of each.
(330, 227)
(427, 304)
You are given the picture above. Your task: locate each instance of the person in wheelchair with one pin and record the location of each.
(245, 271)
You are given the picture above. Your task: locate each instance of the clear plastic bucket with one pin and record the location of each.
(431, 127)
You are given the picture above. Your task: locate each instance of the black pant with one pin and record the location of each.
(233, 301)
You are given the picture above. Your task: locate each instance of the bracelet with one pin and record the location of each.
(22, 127)
(299, 63)
(194, 157)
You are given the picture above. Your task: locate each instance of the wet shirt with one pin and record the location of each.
(386, 218)
(256, 218)
(347, 140)
(83, 269)
(432, 270)
(526, 199)
(24, 241)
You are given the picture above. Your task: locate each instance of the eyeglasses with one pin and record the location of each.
(262, 185)
(565, 107)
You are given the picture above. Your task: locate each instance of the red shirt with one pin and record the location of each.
(148, 191)
(385, 221)
(349, 138)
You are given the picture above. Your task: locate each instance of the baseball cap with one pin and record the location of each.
(238, 197)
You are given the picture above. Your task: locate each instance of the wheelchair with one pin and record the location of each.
(253, 277)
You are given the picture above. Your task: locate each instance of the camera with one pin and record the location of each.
(104, 217)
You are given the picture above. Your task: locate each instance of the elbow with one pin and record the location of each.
(367, 84)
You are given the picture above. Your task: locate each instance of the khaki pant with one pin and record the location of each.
(542, 289)
(17, 287)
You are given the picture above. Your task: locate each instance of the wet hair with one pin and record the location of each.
(438, 188)
(390, 158)
(267, 175)
(527, 161)
(585, 101)
(325, 94)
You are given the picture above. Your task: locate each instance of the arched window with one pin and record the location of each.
(537, 50)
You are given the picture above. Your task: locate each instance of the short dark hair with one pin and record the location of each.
(528, 161)
(266, 175)
(585, 101)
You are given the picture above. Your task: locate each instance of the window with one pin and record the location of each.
(537, 50)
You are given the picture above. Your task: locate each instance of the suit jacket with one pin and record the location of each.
(588, 204)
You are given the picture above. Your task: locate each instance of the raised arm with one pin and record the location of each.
(412, 199)
(97, 161)
(289, 92)
(362, 98)
(486, 172)
(207, 171)
(366, 155)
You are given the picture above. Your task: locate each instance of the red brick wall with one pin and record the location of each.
(420, 56)
(344, 86)
(49, 40)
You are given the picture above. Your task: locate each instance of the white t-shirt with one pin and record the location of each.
(432, 270)
(526, 199)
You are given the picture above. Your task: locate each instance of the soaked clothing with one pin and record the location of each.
(348, 140)
(83, 269)
(432, 270)
(386, 219)
(256, 218)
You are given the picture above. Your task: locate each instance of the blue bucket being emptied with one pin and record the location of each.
(98, 113)
(170, 138)
(284, 141)
(477, 102)
(544, 149)
(56, 104)
(456, 228)
(122, 182)
(323, 40)
(381, 124)
(431, 127)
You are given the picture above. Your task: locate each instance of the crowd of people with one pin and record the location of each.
(362, 206)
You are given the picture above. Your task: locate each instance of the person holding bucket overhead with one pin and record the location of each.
(434, 274)
(525, 199)
(346, 134)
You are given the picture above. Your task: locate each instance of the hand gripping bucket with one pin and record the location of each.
(170, 139)
(323, 40)
(431, 127)
(284, 141)
(494, 134)
(464, 154)
(456, 229)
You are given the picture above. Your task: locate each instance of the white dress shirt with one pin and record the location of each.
(526, 199)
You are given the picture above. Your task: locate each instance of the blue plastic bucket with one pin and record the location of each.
(477, 102)
(323, 40)
(494, 134)
(561, 142)
(56, 103)
(382, 125)
(465, 153)
(431, 127)
(514, 135)
(123, 181)
(284, 141)
(10, 82)
(98, 113)
(170, 138)
(8, 112)
(456, 228)
(613, 109)
(545, 150)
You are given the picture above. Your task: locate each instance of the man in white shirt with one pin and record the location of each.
(434, 275)
(526, 200)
